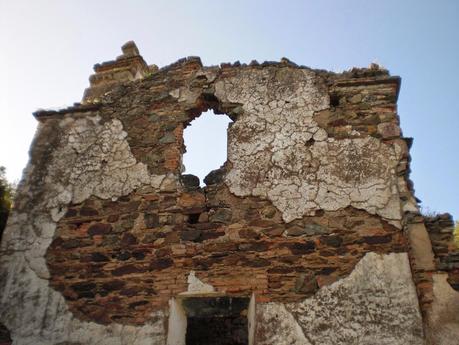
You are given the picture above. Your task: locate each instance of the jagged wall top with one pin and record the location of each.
(127, 67)
(106, 228)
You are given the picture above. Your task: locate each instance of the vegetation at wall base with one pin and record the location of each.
(6, 199)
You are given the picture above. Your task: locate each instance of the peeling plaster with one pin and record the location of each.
(90, 159)
(196, 286)
(276, 325)
(444, 317)
(375, 304)
(103, 163)
(277, 150)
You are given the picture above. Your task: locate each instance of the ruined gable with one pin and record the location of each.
(309, 224)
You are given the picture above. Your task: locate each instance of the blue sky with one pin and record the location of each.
(49, 48)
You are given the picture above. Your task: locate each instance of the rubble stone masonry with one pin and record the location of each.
(312, 216)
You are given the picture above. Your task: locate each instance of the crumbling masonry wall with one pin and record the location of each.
(312, 216)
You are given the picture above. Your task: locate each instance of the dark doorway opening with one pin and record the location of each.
(217, 320)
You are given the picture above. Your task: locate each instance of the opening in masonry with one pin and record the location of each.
(206, 144)
(221, 320)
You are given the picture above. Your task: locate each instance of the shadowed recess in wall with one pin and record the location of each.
(222, 318)
(206, 144)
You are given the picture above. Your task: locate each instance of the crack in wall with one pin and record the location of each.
(277, 150)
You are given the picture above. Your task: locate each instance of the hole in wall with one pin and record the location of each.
(210, 320)
(206, 144)
(334, 100)
(192, 219)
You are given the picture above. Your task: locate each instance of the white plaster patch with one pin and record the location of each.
(277, 326)
(177, 324)
(443, 318)
(196, 286)
(90, 159)
(103, 163)
(277, 150)
(375, 304)
(44, 319)
(251, 318)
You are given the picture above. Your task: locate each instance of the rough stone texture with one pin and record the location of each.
(197, 286)
(127, 67)
(375, 304)
(277, 150)
(444, 316)
(421, 247)
(107, 231)
(32, 311)
(128, 262)
(441, 232)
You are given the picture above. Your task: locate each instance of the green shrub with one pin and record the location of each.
(6, 199)
(456, 234)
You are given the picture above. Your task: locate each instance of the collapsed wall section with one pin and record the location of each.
(307, 215)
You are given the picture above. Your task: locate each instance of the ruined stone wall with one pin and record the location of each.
(307, 216)
(441, 233)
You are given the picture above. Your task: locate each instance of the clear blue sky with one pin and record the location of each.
(48, 49)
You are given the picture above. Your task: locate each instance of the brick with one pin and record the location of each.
(127, 269)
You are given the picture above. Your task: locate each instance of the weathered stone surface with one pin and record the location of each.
(308, 229)
(221, 215)
(190, 181)
(375, 304)
(440, 229)
(389, 130)
(214, 177)
(190, 235)
(106, 231)
(272, 158)
(421, 247)
(444, 317)
(90, 159)
(151, 220)
(99, 229)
